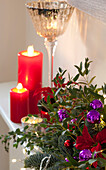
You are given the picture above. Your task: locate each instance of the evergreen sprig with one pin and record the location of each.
(74, 96)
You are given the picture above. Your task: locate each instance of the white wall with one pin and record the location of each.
(84, 37)
(12, 40)
(12, 36)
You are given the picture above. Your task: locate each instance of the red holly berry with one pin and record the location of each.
(73, 127)
(67, 143)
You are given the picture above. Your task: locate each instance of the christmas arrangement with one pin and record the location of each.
(73, 136)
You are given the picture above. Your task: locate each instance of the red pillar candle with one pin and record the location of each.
(19, 103)
(30, 75)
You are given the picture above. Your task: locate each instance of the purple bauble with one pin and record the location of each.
(85, 155)
(66, 160)
(93, 116)
(73, 120)
(75, 157)
(95, 104)
(62, 114)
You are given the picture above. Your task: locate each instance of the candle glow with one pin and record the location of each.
(30, 52)
(31, 120)
(19, 88)
(52, 25)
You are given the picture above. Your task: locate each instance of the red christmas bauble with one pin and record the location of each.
(67, 143)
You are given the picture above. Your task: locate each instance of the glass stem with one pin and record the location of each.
(50, 46)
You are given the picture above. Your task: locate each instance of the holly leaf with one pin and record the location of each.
(60, 70)
(48, 99)
(91, 80)
(104, 155)
(101, 162)
(81, 65)
(76, 77)
(91, 161)
(64, 72)
(57, 91)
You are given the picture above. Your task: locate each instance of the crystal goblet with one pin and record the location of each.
(50, 19)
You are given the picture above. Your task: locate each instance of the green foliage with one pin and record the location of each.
(74, 96)
(91, 128)
(62, 148)
(104, 88)
(35, 160)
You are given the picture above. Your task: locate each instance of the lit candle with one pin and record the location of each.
(19, 103)
(30, 74)
(31, 121)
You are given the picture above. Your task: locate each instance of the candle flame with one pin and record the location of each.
(30, 50)
(14, 160)
(19, 86)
